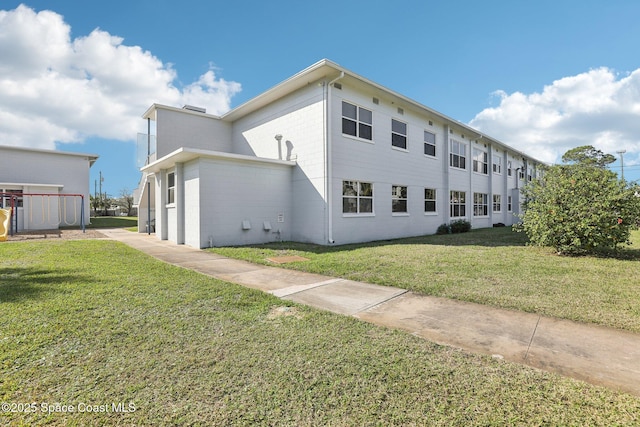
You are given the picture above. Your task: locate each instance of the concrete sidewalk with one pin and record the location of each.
(598, 355)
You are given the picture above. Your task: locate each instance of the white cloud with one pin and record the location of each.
(598, 108)
(54, 89)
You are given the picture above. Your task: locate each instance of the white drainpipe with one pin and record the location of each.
(327, 160)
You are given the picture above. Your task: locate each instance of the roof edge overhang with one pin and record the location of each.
(185, 154)
(328, 70)
(90, 157)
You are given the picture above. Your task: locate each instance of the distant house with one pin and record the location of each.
(35, 178)
(326, 157)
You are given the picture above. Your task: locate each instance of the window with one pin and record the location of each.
(480, 161)
(429, 143)
(458, 155)
(356, 121)
(529, 174)
(171, 187)
(497, 203)
(458, 204)
(430, 200)
(398, 199)
(509, 168)
(509, 204)
(497, 164)
(398, 134)
(521, 173)
(480, 204)
(357, 197)
(5, 200)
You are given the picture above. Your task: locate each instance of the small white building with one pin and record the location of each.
(37, 178)
(326, 157)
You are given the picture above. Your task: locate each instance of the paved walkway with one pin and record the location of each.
(598, 355)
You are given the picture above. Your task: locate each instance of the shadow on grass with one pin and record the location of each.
(22, 283)
(486, 237)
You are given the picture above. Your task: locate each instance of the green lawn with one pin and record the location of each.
(96, 322)
(487, 266)
(113, 222)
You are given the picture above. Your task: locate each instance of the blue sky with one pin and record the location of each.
(542, 76)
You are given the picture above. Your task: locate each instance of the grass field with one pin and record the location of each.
(89, 324)
(487, 266)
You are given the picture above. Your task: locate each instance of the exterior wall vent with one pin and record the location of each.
(376, 101)
(246, 224)
(337, 86)
(400, 111)
(430, 123)
(196, 109)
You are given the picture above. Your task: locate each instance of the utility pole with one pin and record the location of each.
(621, 152)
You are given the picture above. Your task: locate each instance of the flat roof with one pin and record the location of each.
(90, 157)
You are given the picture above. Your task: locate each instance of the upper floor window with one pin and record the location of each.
(480, 161)
(458, 154)
(429, 143)
(497, 164)
(171, 187)
(398, 198)
(509, 172)
(357, 121)
(398, 134)
(357, 197)
(529, 174)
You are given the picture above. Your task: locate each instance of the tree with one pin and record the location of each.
(125, 201)
(586, 155)
(580, 208)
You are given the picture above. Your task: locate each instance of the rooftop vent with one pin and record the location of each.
(196, 109)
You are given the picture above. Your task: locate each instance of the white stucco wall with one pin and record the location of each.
(181, 128)
(231, 192)
(299, 119)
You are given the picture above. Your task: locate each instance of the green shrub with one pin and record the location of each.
(444, 229)
(460, 226)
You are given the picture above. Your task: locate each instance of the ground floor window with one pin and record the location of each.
(458, 204)
(497, 203)
(480, 204)
(509, 207)
(430, 200)
(357, 197)
(5, 199)
(398, 199)
(171, 187)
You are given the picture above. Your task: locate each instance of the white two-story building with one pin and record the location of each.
(327, 157)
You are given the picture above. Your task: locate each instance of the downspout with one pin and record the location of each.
(328, 162)
(148, 183)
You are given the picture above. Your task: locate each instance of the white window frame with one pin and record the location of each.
(359, 121)
(359, 196)
(171, 189)
(457, 154)
(431, 200)
(480, 205)
(397, 134)
(430, 144)
(497, 164)
(480, 161)
(399, 198)
(458, 199)
(509, 169)
(509, 204)
(497, 203)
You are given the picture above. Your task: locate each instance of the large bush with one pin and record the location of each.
(580, 208)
